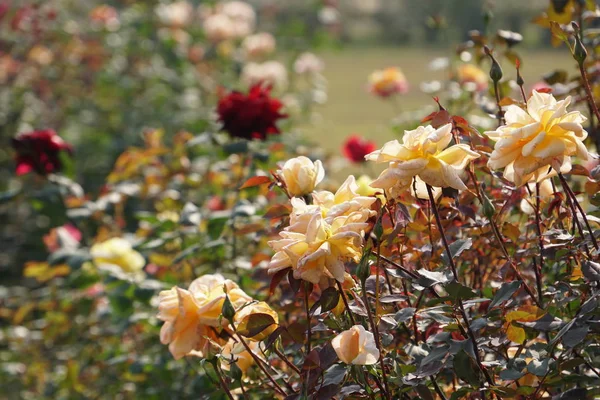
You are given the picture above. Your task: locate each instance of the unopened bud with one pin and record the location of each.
(496, 69)
(228, 311)
(579, 51)
(488, 207)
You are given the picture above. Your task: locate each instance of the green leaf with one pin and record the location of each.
(329, 299)
(255, 324)
(466, 369)
(537, 367)
(216, 226)
(457, 248)
(505, 292)
(459, 291)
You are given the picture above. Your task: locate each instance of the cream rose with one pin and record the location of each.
(538, 139)
(301, 175)
(117, 252)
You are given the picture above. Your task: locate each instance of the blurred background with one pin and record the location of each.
(100, 73)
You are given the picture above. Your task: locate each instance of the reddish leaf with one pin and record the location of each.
(255, 181)
(277, 211)
(311, 361)
(440, 118)
(276, 280)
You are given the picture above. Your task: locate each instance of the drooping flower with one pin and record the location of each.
(117, 252)
(388, 82)
(472, 77)
(258, 45)
(301, 175)
(356, 346)
(39, 151)
(193, 317)
(537, 140)
(319, 252)
(269, 73)
(422, 154)
(355, 148)
(250, 116)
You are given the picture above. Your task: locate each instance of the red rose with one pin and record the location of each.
(356, 148)
(252, 115)
(38, 151)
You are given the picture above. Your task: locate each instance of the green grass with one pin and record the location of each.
(351, 109)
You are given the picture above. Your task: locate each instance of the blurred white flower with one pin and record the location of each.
(271, 73)
(258, 45)
(218, 27)
(241, 14)
(308, 63)
(175, 15)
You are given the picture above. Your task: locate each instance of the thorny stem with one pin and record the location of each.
(308, 327)
(345, 300)
(437, 388)
(438, 220)
(377, 344)
(499, 114)
(538, 269)
(500, 240)
(258, 362)
(285, 359)
(222, 382)
(571, 194)
(459, 301)
(590, 99)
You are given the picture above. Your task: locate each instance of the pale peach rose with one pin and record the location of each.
(471, 75)
(175, 15)
(117, 252)
(41, 55)
(218, 27)
(269, 73)
(235, 352)
(308, 63)
(537, 140)
(320, 252)
(193, 317)
(258, 45)
(388, 82)
(182, 330)
(301, 175)
(422, 154)
(105, 16)
(356, 346)
(242, 316)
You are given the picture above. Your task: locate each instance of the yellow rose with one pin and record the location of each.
(243, 315)
(356, 346)
(301, 175)
(387, 82)
(117, 252)
(422, 154)
(535, 140)
(320, 251)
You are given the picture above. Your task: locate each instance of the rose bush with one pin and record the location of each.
(223, 258)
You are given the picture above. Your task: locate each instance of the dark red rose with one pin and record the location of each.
(38, 151)
(356, 148)
(252, 115)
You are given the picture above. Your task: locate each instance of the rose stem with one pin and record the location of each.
(258, 362)
(345, 300)
(570, 193)
(453, 266)
(222, 382)
(538, 225)
(308, 327)
(285, 359)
